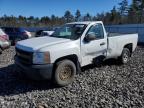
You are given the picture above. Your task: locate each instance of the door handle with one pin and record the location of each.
(103, 43)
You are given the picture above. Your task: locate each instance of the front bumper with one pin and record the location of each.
(35, 72)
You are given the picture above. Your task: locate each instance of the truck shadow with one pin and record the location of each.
(108, 62)
(11, 84)
(141, 44)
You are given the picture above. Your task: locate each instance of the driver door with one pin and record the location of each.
(96, 47)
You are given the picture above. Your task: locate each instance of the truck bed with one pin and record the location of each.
(117, 41)
(118, 34)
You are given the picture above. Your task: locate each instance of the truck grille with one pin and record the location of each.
(24, 57)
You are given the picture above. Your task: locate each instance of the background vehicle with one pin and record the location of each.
(38, 33)
(4, 41)
(3, 35)
(16, 34)
(28, 33)
(74, 45)
(46, 33)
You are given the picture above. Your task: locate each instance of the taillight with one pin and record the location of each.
(5, 37)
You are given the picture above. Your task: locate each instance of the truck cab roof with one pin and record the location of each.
(86, 22)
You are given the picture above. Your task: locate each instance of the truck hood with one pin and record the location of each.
(36, 44)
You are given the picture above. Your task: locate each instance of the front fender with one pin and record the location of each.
(63, 49)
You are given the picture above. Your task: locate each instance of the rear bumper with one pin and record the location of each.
(5, 45)
(35, 72)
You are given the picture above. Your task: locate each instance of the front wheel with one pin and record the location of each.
(64, 73)
(124, 58)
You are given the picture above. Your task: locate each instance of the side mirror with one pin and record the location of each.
(89, 37)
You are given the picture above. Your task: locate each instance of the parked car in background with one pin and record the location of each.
(16, 34)
(28, 33)
(55, 28)
(3, 35)
(38, 33)
(4, 41)
(46, 33)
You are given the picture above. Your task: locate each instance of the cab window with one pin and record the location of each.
(97, 30)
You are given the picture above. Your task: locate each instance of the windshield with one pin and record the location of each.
(69, 31)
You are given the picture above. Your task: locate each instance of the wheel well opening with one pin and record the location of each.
(129, 46)
(73, 58)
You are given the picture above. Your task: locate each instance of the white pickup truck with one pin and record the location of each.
(72, 46)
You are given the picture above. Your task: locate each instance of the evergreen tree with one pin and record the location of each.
(68, 16)
(87, 17)
(123, 9)
(133, 13)
(77, 15)
(114, 19)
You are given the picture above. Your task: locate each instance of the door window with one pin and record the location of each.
(97, 30)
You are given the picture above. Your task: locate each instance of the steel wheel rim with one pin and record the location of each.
(65, 73)
(125, 57)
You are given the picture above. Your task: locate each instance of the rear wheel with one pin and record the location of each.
(64, 73)
(124, 58)
(0, 50)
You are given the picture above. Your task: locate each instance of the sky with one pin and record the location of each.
(39, 8)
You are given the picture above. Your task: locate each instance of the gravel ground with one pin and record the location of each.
(111, 85)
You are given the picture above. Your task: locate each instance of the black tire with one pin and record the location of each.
(64, 73)
(124, 58)
(0, 50)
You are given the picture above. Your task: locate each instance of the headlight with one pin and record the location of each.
(41, 58)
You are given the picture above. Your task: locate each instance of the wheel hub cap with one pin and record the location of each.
(125, 57)
(65, 73)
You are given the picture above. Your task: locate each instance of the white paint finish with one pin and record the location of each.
(86, 52)
(117, 43)
(47, 33)
(4, 44)
(34, 44)
(28, 33)
(63, 49)
(3, 41)
(92, 49)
